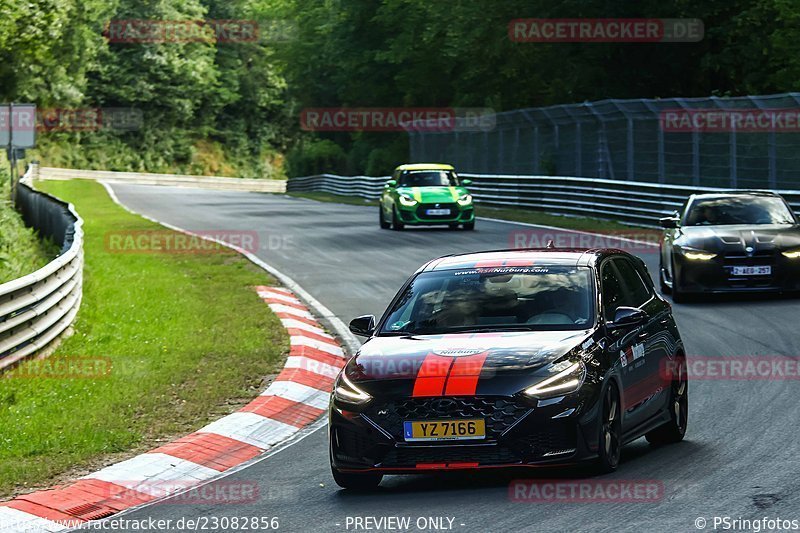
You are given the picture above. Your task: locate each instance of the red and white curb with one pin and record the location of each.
(297, 398)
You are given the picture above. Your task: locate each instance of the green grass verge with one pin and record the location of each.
(21, 251)
(188, 338)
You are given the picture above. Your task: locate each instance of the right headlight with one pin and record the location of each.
(564, 382)
(792, 254)
(346, 391)
(407, 200)
(465, 199)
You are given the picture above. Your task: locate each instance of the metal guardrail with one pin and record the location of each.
(625, 201)
(172, 180)
(37, 308)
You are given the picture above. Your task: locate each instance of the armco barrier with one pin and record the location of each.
(172, 180)
(36, 308)
(626, 201)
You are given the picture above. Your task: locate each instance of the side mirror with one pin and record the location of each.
(627, 318)
(466, 183)
(391, 183)
(669, 222)
(363, 325)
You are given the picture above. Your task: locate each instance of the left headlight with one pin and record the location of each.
(407, 200)
(696, 255)
(792, 254)
(566, 381)
(465, 199)
(347, 392)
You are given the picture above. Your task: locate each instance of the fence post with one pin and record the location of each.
(578, 149)
(773, 160)
(734, 176)
(630, 165)
(695, 158)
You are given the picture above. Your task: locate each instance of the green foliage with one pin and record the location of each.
(315, 157)
(21, 251)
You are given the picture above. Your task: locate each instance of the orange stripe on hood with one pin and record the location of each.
(432, 376)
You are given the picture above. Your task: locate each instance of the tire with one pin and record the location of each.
(610, 443)
(358, 482)
(383, 223)
(469, 226)
(674, 430)
(396, 224)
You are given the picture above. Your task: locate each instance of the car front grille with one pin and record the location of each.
(499, 412)
(410, 456)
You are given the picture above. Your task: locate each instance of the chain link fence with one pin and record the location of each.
(741, 142)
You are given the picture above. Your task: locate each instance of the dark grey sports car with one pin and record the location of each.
(728, 242)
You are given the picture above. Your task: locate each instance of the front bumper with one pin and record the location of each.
(418, 214)
(716, 275)
(519, 432)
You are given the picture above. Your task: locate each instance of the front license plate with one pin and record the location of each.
(752, 271)
(437, 212)
(444, 430)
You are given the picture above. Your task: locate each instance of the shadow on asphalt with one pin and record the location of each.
(634, 455)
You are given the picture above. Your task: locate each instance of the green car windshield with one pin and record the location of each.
(494, 299)
(429, 178)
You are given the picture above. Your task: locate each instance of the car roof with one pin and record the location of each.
(425, 166)
(521, 258)
(728, 194)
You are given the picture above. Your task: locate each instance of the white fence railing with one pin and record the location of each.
(626, 201)
(172, 180)
(37, 308)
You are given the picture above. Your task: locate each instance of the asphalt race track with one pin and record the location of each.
(739, 459)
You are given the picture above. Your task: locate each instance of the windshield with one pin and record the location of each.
(429, 178)
(739, 210)
(525, 298)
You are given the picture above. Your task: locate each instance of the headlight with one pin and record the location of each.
(465, 199)
(347, 392)
(696, 255)
(407, 200)
(792, 254)
(568, 380)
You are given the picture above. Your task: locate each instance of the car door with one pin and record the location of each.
(650, 341)
(620, 343)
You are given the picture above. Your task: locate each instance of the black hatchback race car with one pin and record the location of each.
(507, 359)
(741, 241)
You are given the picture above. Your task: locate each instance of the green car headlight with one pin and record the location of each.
(465, 199)
(407, 200)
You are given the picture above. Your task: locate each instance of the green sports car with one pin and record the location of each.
(425, 194)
